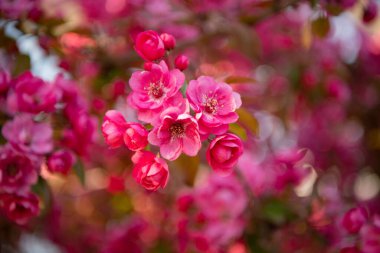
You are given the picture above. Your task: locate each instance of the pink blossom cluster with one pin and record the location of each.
(181, 116)
(33, 106)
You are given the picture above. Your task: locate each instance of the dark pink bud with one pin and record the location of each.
(354, 219)
(19, 208)
(149, 46)
(169, 41)
(116, 184)
(181, 62)
(370, 12)
(136, 136)
(61, 162)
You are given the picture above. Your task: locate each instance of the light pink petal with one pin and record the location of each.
(171, 150)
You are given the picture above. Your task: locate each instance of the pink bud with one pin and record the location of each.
(150, 171)
(370, 12)
(181, 62)
(169, 41)
(148, 66)
(354, 219)
(61, 162)
(136, 136)
(224, 152)
(113, 128)
(149, 46)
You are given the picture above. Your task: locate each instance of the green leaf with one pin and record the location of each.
(79, 171)
(239, 79)
(321, 26)
(238, 130)
(22, 63)
(247, 120)
(276, 211)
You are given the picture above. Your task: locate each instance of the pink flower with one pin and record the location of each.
(153, 89)
(177, 133)
(150, 170)
(181, 62)
(19, 208)
(17, 171)
(31, 94)
(135, 136)
(224, 152)
(149, 46)
(370, 236)
(169, 41)
(113, 128)
(25, 135)
(214, 104)
(61, 161)
(354, 219)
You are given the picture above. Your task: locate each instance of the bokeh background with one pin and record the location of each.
(308, 73)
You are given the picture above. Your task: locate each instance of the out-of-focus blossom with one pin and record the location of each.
(354, 219)
(224, 152)
(116, 184)
(214, 104)
(113, 128)
(169, 41)
(31, 94)
(370, 11)
(61, 161)
(149, 46)
(126, 237)
(135, 136)
(18, 8)
(370, 236)
(152, 90)
(177, 133)
(181, 62)
(28, 136)
(209, 222)
(17, 170)
(19, 208)
(150, 170)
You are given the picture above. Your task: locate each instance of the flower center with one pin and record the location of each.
(211, 105)
(11, 170)
(177, 130)
(155, 90)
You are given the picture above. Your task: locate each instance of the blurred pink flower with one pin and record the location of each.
(61, 161)
(224, 152)
(17, 170)
(214, 104)
(150, 170)
(19, 208)
(177, 133)
(370, 236)
(354, 219)
(31, 94)
(149, 46)
(25, 135)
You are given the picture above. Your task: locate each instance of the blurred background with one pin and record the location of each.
(308, 72)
